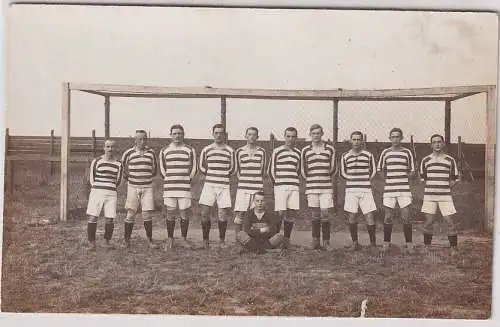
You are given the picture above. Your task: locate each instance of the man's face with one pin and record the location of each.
(356, 141)
(141, 140)
(316, 135)
(177, 135)
(259, 202)
(437, 143)
(252, 136)
(395, 138)
(290, 138)
(109, 148)
(219, 135)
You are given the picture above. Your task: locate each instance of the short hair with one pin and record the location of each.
(217, 126)
(141, 131)
(291, 129)
(109, 141)
(176, 126)
(251, 128)
(396, 129)
(357, 133)
(261, 193)
(315, 126)
(437, 135)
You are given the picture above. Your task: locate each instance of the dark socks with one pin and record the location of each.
(205, 227)
(222, 229)
(108, 231)
(184, 227)
(170, 228)
(91, 231)
(325, 229)
(128, 230)
(278, 226)
(371, 233)
(427, 239)
(148, 227)
(316, 228)
(453, 240)
(353, 228)
(287, 230)
(407, 230)
(387, 232)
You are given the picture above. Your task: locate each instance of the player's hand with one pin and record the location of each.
(453, 183)
(264, 229)
(412, 174)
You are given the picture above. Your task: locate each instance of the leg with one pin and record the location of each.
(368, 207)
(108, 231)
(326, 205)
(370, 226)
(147, 217)
(407, 227)
(247, 243)
(185, 216)
(241, 205)
(91, 231)
(289, 221)
(429, 208)
(131, 205)
(110, 215)
(129, 226)
(205, 223)
(238, 221)
(388, 221)
(448, 211)
(351, 206)
(222, 224)
(169, 214)
(316, 228)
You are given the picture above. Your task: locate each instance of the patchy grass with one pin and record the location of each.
(46, 268)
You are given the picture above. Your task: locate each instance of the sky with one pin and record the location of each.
(246, 48)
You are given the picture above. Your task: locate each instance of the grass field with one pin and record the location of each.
(47, 269)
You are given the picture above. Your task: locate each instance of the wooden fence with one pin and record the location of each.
(82, 149)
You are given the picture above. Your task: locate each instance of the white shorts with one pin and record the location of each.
(403, 201)
(320, 200)
(102, 199)
(139, 196)
(365, 201)
(243, 201)
(182, 203)
(447, 208)
(211, 194)
(286, 199)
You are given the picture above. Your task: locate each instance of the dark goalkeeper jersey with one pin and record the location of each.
(252, 224)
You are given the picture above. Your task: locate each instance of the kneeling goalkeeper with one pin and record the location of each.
(259, 228)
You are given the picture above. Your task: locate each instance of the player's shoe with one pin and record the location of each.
(169, 244)
(355, 246)
(409, 248)
(327, 246)
(386, 246)
(206, 244)
(315, 245)
(91, 246)
(186, 244)
(109, 246)
(152, 245)
(222, 244)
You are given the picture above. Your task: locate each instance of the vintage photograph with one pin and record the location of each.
(249, 162)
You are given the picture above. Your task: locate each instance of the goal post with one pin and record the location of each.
(446, 95)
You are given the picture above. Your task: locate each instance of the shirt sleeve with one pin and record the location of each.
(194, 164)
(203, 161)
(163, 164)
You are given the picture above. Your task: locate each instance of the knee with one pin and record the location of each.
(316, 214)
(169, 213)
(223, 214)
(204, 212)
(370, 219)
(276, 240)
(130, 218)
(185, 214)
(238, 218)
(242, 237)
(92, 219)
(290, 215)
(388, 217)
(325, 215)
(147, 216)
(351, 218)
(110, 221)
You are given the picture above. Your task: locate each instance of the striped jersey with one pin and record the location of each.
(284, 167)
(217, 164)
(437, 171)
(140, 166)
(357, 169)
(396, 164)
(104, 174)
(177, 167)
(318, 167)
(250, 168)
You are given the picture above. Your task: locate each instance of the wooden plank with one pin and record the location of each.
(45, 157)
(223, 113)
(335, 136)
(464, 95)
(211, 92)
(65, 144)
(447, 122)
(491, 99)
(107, 109)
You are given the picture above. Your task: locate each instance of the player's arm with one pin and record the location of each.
(237, 165)
(373, 166)
(247, 226)
(411, 165)
(163, 163)
(232, 162)
(263, 162)
(303, 163)
(454, 173)
(423, 172)
(381, 165)
(93, 168)
(272, 223)
(194, 164)
(272, 167)
(119, 176)
(154, 171)
(343, 170)
(333, 162)
(124, 162)
(203, 161)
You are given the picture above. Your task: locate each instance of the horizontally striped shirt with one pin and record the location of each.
(317, 167)
(438, 171)
(140, 166)
(284, 168)
(104, 174)
(177, 167)
(357, 169)
(396, 164)
(250, 168)
(217, 164)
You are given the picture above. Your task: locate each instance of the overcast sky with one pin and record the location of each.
(245, 48)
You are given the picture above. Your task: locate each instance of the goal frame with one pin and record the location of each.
(441, 94)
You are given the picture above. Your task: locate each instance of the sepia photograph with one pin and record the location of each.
(213, 161)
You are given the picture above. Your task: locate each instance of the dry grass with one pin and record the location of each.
(47, 269)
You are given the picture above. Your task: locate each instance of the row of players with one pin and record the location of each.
(316, 164)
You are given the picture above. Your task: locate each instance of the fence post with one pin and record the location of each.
(459, 154)
(9, 164)
(93, 143)
(51, 152)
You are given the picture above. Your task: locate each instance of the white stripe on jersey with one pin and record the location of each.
(177, 167)
(357, 169)
(396, 164)
(217, 164)
(140, 166)
(317, 168)
(105, 175)
(250, 168)
(284, 167)
(438, 171)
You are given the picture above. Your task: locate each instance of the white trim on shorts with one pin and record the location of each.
(402, 200)
(142, 196)
(447, 208)
(320, 200)
(286, 199)
(174, 202)
(211, 194)
(102, 200)
(363, 200)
